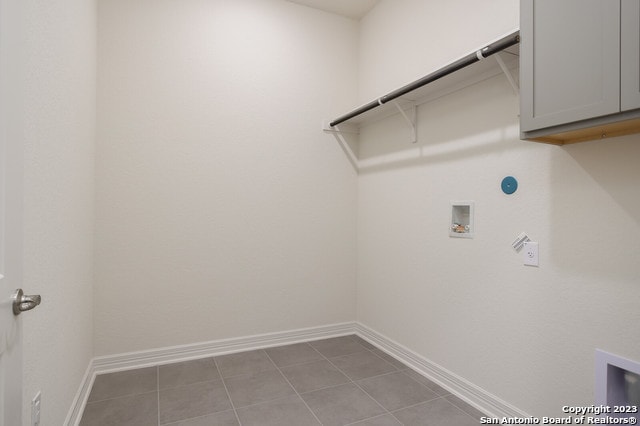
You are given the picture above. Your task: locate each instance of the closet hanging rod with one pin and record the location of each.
(498, 46)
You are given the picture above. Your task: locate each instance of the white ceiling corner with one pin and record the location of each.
(354, 9)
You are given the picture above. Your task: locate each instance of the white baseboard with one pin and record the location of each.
(472, 394)
(467, 391)
(80, 400)
(127, 361)
(133, 360)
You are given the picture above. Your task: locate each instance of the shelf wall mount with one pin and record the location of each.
(507, 73)
(411, 121)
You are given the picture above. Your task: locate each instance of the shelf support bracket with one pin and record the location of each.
(507, 73)
(342, 129)
(346, 136)
(411, 121)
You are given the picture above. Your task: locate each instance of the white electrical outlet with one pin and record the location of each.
(35, 409)
(530, 250)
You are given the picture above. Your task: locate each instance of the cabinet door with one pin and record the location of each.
(630, 55)
(569, 61)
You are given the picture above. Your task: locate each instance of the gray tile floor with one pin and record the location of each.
(338, 381)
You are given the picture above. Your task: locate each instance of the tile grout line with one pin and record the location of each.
(419, 403)
(371, 351)
(326, 358)
(442, 397)
(233, 407)
(386, 412)
(375, 417)
(375, 400)
(130, 395)
(418, 381)
(438, 396)
(158, 391)
(459, 408)
(358, 386)
(397, 370)
(293, 387)
(351, 381)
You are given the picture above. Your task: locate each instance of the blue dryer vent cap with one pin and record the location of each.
(509, 185)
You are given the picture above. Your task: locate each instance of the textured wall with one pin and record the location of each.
(527, 335)
(59, 130)
(222, 209)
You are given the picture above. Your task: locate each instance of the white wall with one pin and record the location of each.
(526, 335)
(59, 131)
(420, 35)
(222, 209)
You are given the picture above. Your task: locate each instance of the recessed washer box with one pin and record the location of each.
(618, 384)
(461, 225)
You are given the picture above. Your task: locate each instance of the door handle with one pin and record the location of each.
(22, 302)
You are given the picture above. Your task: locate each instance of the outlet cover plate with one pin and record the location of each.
(530, 253)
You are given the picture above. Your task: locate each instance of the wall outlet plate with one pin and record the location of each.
(530, 253)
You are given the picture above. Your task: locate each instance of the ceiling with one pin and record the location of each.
(354, 9)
